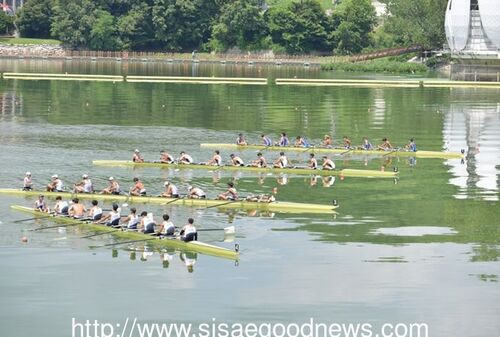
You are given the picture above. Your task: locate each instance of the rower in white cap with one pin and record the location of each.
(137, 158)
(84, 186)
(27, 182)
(56, 185)
(113, 187)
(171, 190)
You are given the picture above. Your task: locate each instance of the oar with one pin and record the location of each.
(172, 201)
(125, 242)
(396, 149)
(92, 235)
(39, 217)
(219, 205)
(227, 230)
(343, 153)
(43, 228)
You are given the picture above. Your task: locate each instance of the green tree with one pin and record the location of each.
(240, 24)
(417, 22)
(353, 20)
(73, 21)
(103, 32)
(299, 27)
(183, 24)
(33, 19)
(135, 28)
(6, 22)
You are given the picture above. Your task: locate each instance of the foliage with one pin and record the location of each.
(380, 65)
(6, 22)
(33, 19)
(25, 41)
(353, 21)
(417, 22)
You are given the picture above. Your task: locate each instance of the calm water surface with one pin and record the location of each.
(424, 248)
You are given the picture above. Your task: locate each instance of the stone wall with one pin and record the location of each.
(39, 50)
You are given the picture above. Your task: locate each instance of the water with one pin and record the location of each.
(424, 248)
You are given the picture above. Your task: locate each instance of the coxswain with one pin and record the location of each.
(366, 144)
(167, 227)
(185, 158)
(385, 145)
(113, 187)
(216, 159)
(266, 141)
(112, 219)
(236, 161)
(138, 189)
(95, 212)
(260, 162)
(230, 194)
(196, 193)
(84, 186)
(132, 220)
(281, 162)
(147, 224)
(346, 142)
(61, 207)
(300, 142)
(136, 157)
(27, 182)
(77, 210)
(188, 232)
(171, 190)
(166, 158)
(411, 146)
(283, 141)
(56, 185)
(328, 164)
(312, 163)
(40, 204)
(241, 140)
(327, 141)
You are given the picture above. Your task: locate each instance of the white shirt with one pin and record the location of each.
(87, 186)
(188, 229)
(167, 225)
(133, 221)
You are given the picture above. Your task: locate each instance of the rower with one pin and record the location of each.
(327, 141)
(260, 162)
(266, 140)
(281, 162)
(283, 141)
(171, 190)
(241, 140)
(77, 210)
(132, 220)
(147, 225)
(112, 219)
(312, 163)
(385, 145)
(137, 158)
(138, 189)
(61, 207)
(56, 185)
(300, 142)
(84, 186)
(167, 227)
(230, 194)
(346, 142)
(236, 161)
(166, 158)
(366, 144)
(113, 187)
(188, 232)
(40, 204)
(328, 164)
(216, 159)
(27, 182)
(95, 212)
(185, 158)
(196, 193)
(411, 146)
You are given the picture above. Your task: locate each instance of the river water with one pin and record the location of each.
(423, 248)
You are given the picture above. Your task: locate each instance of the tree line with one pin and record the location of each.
(293, 27)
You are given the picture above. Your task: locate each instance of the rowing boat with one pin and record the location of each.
(276, 206)
(193, 246)
(313, 149)
(300, 171)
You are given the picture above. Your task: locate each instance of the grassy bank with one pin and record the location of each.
(385, 65)
(25, 41)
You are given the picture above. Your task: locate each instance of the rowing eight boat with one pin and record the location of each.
(301, 171)
(193, 246)
(393, 152)
(276, 206)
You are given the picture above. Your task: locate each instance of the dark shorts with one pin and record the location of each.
(170, 231)
(64, 211)
(27, 188)
(190, 237)
(149, 228)
(174, 196)
(115, 193)
(97, 217)
(113, 223)
(142, 194)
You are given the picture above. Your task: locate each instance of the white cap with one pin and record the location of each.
(28, 173)
(55, 176)
(85, 176)
(111, 178)
(136, 151)
(166, 183)
(190, 188)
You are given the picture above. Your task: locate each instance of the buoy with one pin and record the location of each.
(342, 177)
(275, 190)
(24, 239)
